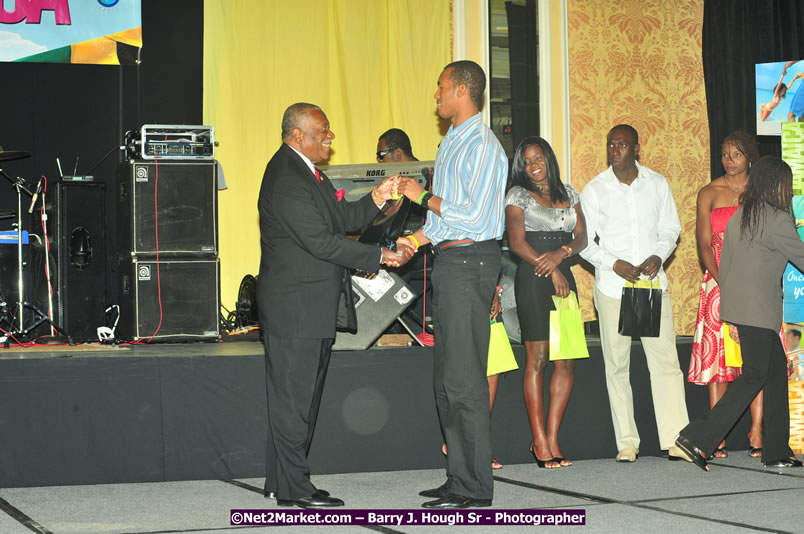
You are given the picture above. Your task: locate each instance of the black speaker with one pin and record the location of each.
(186, 290)
(378, 301)
(181, 197)
(82, 262)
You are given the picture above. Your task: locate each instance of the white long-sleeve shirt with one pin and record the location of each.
(633, 222)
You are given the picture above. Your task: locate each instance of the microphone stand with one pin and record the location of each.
(19, 185)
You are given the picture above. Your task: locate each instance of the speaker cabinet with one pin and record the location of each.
(180, 197)
(378, 302)
(189, 291)
(82, 260)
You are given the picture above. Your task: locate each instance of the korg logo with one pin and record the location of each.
(140, 174)
(375, 172)
(144, 273)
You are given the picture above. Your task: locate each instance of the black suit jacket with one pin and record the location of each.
(304, 248)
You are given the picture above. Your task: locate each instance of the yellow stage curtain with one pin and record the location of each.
(638, 62)
(370, 64)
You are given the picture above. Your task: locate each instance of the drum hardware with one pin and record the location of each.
(11, 155)
(18, 184)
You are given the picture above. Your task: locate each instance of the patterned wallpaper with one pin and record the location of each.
(639, 62)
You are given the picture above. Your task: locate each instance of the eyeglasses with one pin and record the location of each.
(382, 153)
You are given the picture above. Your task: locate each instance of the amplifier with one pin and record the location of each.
(190, 299)
(185, 203)
(378, 302)
(172, 142)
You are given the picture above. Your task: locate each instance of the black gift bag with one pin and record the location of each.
(641, 309)
(346, 320)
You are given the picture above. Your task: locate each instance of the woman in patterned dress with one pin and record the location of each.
(717, 202)
(545, 226)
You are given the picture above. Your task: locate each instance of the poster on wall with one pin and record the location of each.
(104, 32)
(794, 350)
(779, 95)
(793, 280)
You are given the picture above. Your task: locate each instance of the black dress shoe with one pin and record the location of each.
(435, 493)
(316, 500)
(456, 501)
(272, 495)
(785, 462)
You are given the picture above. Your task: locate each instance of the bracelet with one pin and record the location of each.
(419, 201)
(567, 250)
(425, 200)
(415, 242)
(499, 290)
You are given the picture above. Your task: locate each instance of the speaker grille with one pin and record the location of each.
(82, 287)
(190, 301)
(186, 208)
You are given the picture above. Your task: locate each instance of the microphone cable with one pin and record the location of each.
(156, 234)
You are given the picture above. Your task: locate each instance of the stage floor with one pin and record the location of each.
(167, 412)
(651, 495)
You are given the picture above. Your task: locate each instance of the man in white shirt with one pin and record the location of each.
(630, 208)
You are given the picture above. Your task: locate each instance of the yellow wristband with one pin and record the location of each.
(419, 201)
(415, 241)
(374, 196)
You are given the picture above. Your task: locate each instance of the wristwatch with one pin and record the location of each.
(425, 199)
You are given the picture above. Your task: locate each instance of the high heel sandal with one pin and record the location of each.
(543, 463)
(697, 455)
(720, 452)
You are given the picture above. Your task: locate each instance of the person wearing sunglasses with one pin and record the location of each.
(394, 146)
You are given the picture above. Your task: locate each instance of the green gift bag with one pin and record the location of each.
(567, 341)
(501, 355)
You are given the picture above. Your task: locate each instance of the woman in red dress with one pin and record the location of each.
(717, 202)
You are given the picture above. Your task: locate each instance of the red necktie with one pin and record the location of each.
(317, 175)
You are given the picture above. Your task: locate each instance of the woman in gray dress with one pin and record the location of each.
(760, 239)
(545, 226)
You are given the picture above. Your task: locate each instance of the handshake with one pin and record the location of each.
(394, 188)
(404, 252)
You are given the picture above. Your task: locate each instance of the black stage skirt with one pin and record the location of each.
(533, 293)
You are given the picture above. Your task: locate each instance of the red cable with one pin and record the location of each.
(428, 340)
(9, 334)
(47, 250)
(156, 232)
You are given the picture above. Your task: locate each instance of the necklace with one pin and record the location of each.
(540, 190)
(736, 200)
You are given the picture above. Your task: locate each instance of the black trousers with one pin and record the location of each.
(463, 287)
(295, 371)
(764, 367)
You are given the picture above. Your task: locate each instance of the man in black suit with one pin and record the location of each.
(303, 277)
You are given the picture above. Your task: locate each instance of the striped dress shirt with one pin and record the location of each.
(470, 173)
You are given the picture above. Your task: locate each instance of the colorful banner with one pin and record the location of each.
(793, 153)
(793, 281)
(107, 32)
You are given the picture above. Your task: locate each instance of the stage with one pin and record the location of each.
(163, 412)
(652, 495)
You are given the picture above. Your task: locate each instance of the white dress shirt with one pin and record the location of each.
(633, 222)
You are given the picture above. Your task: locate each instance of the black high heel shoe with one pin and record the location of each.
(543, 463)
(697, 455)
